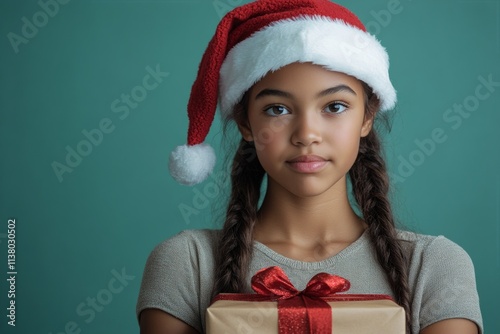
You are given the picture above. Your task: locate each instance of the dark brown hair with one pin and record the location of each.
(370, 185)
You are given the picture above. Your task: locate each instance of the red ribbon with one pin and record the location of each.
(304, 311)
(300, 311)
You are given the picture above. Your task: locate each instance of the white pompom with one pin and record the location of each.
(190, 165)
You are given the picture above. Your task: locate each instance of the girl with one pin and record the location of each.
(304, 82)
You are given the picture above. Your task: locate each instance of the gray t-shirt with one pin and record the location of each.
(179, 274)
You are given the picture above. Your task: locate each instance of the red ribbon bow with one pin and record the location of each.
(300, 311)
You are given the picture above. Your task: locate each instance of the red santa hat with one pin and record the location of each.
(263, 36)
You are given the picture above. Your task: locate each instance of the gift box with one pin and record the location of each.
(278, 308)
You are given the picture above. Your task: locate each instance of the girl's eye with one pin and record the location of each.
(336, 108)
(276, 110)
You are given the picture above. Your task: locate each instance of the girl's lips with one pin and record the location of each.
(307, 164)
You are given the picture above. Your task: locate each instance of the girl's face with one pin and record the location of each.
(306, 123)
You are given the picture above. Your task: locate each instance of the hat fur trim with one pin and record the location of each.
(320, 40)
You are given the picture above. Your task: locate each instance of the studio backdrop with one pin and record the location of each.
(93, 97)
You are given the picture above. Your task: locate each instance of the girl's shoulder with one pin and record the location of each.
(428, 244)
(433, 251)
(202, 240)
(435, 264)
(442, 279)
(194, 236)
(180, 268)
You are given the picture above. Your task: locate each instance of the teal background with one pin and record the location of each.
(119, 202)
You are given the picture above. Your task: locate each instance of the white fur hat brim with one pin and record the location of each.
(330, 43)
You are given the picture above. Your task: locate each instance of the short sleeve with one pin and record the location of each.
(446, 287)
(171, 279)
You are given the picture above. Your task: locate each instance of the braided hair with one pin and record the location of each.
(234, 251)
(370, 185)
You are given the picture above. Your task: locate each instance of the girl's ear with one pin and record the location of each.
(245, 130)
(367, 124)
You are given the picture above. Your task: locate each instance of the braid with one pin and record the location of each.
(234, 250)
(370, 184)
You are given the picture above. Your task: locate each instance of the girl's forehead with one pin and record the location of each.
(298, 76)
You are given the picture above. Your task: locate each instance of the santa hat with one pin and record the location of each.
(263, 36)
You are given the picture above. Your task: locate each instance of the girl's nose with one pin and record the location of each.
(307, 129)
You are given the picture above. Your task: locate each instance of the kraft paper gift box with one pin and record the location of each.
(278, 308)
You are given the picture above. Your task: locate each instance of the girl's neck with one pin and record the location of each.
(326, 218)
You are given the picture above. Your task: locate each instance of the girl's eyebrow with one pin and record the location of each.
(280, 93)
(339, 88)
(273, 92)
